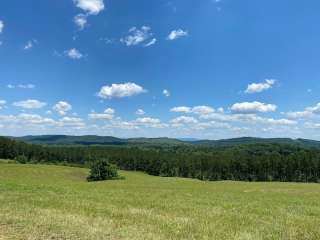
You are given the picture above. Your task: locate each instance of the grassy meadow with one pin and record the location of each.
(54, 202)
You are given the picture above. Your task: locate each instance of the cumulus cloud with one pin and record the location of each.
(149, 122)
(166, 93)
(81, 21)
(315, 109)
(62, 108)
(252, 107)
(74, 54)
(1, 26)
(100, 116)
(120, 90)
(30, 104)
(247, 118)
(260, 87)
(92, 7)
(108, 114)
(137, 36)
(71, 122)
(140, 112)
(139, 123)
(181, 109)
(299, 115)
(307, 113)
(25, 118)
(184, 120)
(175, 34)
(200, 110)
(110, 111)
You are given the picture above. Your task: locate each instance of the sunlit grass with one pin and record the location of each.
(53, 202)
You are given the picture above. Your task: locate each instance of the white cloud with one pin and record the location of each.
(246, 118)
(312, 125)
(315, 109)
(1, 26)
(137, 36)
(184, 120)
(152, 42)
(120, 90)
(212, 125)
(181, 109)
(26, 86)
(100, 116)
(71, 122)
(108, 114)
(166, 93)
(279, 121)
(30, 104)
(81, 21)
(175, 34)
(110, 111)
(30, 44)
(252, 107)
(200, 110)
(260, 87)
(140, 112)
(25, 118)
(299, 115)
(2, 103)
(73, 53)
(307, 113)
(148, 120)
(23, 86)
(62, 107)
(92, 7)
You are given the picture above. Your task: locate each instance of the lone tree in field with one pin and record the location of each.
(21, 159)
(101, 170)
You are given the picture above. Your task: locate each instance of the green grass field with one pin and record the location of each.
(53, 202)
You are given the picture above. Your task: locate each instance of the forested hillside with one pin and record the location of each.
(90, 140)
(248, 162)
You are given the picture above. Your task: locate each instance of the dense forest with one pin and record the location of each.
(248, 162)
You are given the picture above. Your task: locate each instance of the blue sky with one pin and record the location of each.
(205, 69)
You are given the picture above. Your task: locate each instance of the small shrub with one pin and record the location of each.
(21, 159)
(101, 170)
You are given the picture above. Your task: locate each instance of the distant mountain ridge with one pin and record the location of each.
(94, 140)
(109, 140)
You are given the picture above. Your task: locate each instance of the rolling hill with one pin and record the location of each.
(109, 140)
(56, 202)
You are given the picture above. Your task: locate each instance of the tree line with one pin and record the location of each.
(251, 162)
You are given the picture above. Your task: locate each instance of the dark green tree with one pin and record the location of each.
(21, 159)
(101, 170)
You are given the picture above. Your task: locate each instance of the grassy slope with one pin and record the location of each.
(51, 202)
